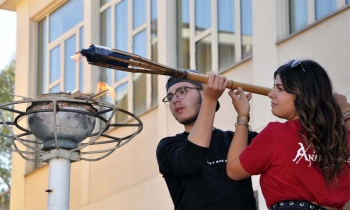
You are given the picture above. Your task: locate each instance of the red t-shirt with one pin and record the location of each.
(287, 168)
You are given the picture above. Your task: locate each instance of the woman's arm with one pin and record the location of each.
(343, 104)
(240, 139)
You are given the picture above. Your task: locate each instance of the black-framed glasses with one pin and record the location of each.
(296, 63)
(180, 93)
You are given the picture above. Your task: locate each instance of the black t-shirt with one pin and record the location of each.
(196, 176)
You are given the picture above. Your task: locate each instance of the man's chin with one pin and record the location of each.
(187, 121)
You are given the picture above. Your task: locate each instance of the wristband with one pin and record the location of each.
(243, 114)
(346, 116)
(242, 122)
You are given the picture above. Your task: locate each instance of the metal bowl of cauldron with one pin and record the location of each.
(74, 123)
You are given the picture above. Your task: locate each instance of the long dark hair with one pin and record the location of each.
(320, 116)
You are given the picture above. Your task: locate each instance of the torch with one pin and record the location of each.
(120, 60)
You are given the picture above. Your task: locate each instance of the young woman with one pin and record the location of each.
(303, 162)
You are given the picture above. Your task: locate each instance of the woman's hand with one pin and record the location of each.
(341, 101)
(240, 100)
(343, 104)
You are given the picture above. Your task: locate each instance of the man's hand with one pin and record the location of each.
(215, 87)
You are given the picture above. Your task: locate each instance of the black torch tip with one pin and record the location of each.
(90, 50)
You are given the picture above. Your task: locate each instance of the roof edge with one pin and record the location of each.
(9, 4)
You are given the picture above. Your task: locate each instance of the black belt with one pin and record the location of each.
(296, 205)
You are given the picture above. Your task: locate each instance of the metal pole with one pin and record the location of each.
(59, 182)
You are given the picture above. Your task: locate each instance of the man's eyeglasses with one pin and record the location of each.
(180, 93)
(296, 63)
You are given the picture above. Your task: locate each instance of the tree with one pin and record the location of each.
(7, 80)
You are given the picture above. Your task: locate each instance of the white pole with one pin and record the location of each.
(59, 182)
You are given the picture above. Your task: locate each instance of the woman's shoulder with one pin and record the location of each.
(282, 127)
(287, 124)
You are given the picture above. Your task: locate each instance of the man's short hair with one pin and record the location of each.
(173, 80)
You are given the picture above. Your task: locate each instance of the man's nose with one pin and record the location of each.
(175, 98)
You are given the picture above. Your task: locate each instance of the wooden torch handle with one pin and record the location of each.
(231, 84)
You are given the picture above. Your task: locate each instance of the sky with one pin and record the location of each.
(8, 28)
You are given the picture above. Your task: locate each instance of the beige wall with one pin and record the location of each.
(35, 185)
(21, 88)
(129, 177)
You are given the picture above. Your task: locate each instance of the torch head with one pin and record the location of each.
(103, 56)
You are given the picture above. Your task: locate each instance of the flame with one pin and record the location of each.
(103, 88)
(77, 57)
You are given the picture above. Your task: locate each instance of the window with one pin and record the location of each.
(210, 39)
(203, 45)
(304, 12)
(203, 54)
(226, 34)
(154, 50)
(139, 80)
(202, 15)
(247, 30)
(298, 15)
(324, 7)
(133, 33)
(183, 34)
(60, 35)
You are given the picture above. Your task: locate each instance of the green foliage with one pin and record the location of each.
(7, 81)
(5, 174)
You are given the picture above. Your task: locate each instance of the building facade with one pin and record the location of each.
(244, 40)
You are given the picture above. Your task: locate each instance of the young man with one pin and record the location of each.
(193, 163)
